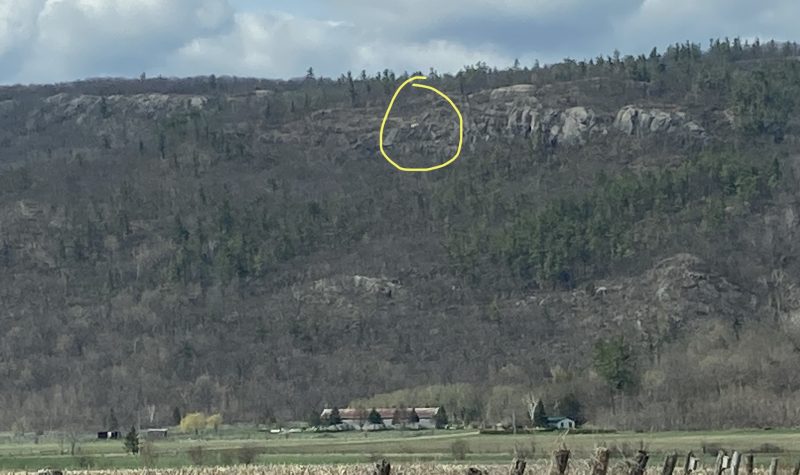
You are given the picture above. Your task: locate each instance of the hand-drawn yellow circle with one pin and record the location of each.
(449, 101)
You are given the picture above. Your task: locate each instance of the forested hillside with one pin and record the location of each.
(619, 238)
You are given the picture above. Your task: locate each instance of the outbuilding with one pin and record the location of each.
(151, 434)
(560, 423)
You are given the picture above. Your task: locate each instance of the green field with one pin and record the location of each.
(52, 450)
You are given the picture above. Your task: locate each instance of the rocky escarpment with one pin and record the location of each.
(516, 111)
(640, 122)
(674, 294)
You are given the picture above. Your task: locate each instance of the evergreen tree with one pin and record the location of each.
(570, 406)
(314, 420)
(441, 418)
(335, 418)
(104, 107)
(539, 414)
(413, 418)
(180, 233)
(176, 416)
(374, 417)
(613, 361)
(351, 88)
(132, 441)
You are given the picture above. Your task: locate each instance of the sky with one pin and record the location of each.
(45, 41)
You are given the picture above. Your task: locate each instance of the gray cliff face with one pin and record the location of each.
(422, 124)
(640, 122)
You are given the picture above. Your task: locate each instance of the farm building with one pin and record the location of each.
(358, 419)
(560, 423)
(151, 434)
(106, 435)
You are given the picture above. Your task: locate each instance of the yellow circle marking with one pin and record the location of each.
(449, 101)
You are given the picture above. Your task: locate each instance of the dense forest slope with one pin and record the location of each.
(619, 237)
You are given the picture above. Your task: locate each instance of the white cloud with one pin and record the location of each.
(420, 56)
(53, 40)
(266, 45)
(403, 16)
(17, 23)
(279, 45)
(670, 21)
(73, 38)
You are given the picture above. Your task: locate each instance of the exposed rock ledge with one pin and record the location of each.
(632, 120)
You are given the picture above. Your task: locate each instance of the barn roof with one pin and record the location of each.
(385, 412)
(558, 419)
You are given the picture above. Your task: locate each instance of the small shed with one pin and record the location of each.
(109, 435)
(153, 434)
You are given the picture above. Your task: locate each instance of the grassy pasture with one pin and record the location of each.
(179, 450)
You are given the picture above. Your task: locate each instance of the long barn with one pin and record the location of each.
(358, 418)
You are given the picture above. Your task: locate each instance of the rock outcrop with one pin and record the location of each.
(501, 113)
(7, 106)
(635, 121)
(577, 123)
(515, 111)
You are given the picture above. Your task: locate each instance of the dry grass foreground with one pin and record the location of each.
(578, 467)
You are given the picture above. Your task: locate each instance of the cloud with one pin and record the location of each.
(17, 29)
(663, 22)
(267, 45)
(64, 39)
(16, 23)
(273, 45)
(55, 40)
(442, 55)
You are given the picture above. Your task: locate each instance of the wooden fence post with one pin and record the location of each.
(748, 464)
(688, 466)
(718, 464)
(600, 461)
(669, 464)
(560, 461)
(773, 466)
(383, 468)
(736, 460)
(519, 467)
(640, 463)
(796, 469)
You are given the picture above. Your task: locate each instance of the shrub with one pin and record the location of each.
(247, 455)
(193, 422)
(85, 462)
(147, 451)
(459, 449)
(711, 448)
(767, 448)
(523, 452)
(623, 450)
(225, 457)
(196, 455)
(214, 421)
